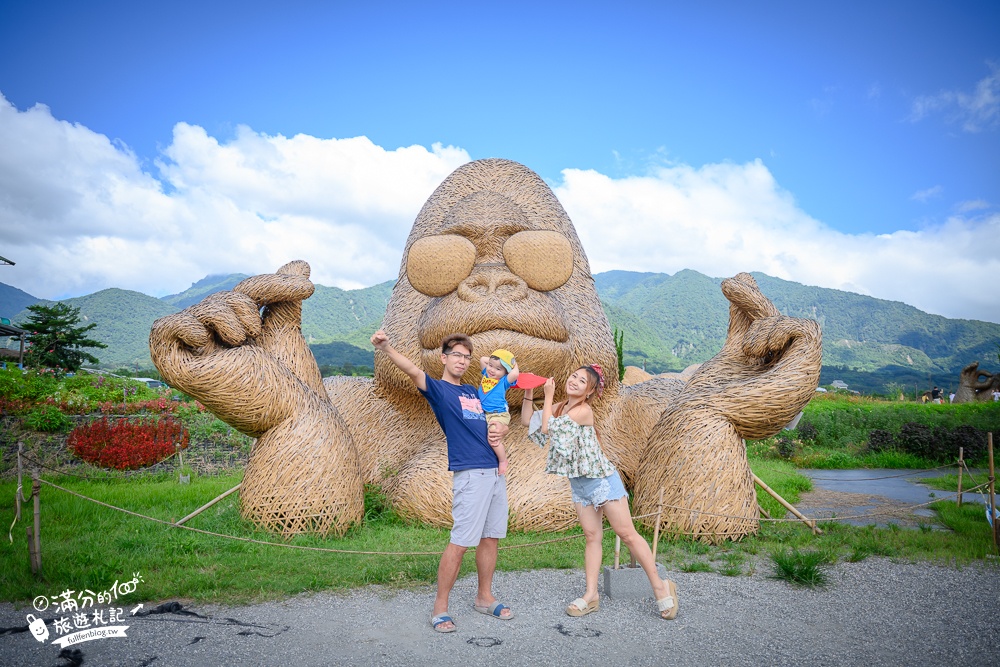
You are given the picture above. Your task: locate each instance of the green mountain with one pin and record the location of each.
(867, 342)
(866, 334)
(13, 301)
(332, 314)
(123, 319)
(686, 311)
(340, 354)
(202, 288)
(669, 322)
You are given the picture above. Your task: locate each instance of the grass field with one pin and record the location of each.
(86, 546)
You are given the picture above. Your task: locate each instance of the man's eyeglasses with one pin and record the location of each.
(459, 355)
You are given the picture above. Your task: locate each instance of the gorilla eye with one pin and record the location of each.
(435, 265)
(544, 260)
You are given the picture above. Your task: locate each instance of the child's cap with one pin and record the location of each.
(506, 358)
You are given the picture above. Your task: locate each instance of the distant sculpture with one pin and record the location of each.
(976, 385)
(494, 255)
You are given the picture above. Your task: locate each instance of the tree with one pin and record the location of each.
(55, 341)
(620, 349)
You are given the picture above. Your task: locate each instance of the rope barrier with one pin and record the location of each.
(438, 553)
(304, 547)
(242, 539)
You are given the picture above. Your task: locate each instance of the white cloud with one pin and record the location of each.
(923, 195)
(79, 214)
(975, 111)
(972, 205)
(725, 218)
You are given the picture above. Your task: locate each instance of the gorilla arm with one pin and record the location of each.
(765, 373)
(256, 374)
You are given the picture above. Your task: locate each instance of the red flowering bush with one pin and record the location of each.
(125, 445)
(14, 406)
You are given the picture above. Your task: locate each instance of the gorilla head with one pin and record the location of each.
(493, 254)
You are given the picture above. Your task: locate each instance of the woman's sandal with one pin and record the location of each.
(580, 607)
(669, 605)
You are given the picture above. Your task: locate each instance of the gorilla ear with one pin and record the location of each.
(435, 265)
(543, 259)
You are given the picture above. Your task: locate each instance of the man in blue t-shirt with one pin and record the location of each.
(479, 492)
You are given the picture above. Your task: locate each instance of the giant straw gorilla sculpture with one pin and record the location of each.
(492, 254)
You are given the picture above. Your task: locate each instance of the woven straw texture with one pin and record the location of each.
(976, 385)
(764, 375)
(517, 278)
(256, 373)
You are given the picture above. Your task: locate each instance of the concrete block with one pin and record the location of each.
(629, 583)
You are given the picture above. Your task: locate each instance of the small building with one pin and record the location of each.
(838, 384)
(9, 330)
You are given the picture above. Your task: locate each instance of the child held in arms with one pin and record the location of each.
(500, 373)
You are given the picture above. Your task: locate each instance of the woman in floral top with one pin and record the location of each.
(575, 452)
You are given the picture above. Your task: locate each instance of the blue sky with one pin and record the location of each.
(852, 145)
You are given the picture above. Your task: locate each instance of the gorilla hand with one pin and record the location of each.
(769, 361)
(765, 373)
(242, 354)
(225, 354)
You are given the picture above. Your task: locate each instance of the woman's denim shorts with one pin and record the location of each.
(597, 491)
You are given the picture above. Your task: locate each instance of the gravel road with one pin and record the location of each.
(870, 614)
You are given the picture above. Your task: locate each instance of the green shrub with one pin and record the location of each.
(807, 431)
(970, 439)
(378, 508)
(47, 418)
(880, 440)
(17, 384)
(785, 445)
(916, 439)
(102, 388)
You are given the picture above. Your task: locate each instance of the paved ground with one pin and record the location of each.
(870, 614)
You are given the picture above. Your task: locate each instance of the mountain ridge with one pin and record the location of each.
(669, 322)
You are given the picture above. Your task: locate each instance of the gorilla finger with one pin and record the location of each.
(182, 327)
(742, 292)
(277, 288)
(246, 312)
(296, 267)
(769, 335)
(217, 315)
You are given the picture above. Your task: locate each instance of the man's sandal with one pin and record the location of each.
(440, 619)
(669, 605)
(495, 610)
(580, 607)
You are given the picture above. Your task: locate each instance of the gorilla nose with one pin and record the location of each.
(483, 285)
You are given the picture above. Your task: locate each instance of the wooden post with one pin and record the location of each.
(961, 462)
(993, 499)
(784, 503)
(618, 550)
(36, 540)
(20, 488)
(656, 531)
(206, 505)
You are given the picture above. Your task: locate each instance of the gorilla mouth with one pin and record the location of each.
(538, 317)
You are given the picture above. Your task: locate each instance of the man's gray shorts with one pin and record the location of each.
(478, 506)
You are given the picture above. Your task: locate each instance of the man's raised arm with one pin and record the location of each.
(417, 375)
